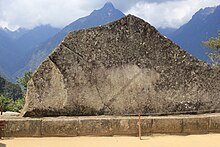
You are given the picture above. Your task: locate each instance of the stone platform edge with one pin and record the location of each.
(110, 125)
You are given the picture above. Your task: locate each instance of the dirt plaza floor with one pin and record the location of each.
(208, 140)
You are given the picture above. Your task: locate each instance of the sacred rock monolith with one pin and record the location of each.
(121, 68)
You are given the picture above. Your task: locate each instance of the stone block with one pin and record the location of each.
(167, 125)
(146, 125)
(23, 128)
(95, 126)
(125, 126)
(196, 125)
(214, 124)
(60, 127)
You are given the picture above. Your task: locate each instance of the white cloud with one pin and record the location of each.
(59, 13)
(170, 13)
(29, 13)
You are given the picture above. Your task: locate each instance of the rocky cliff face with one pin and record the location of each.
(122, 68)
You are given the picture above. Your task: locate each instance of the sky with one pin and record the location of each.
(59, 13)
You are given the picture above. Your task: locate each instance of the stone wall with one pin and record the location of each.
(111, 125)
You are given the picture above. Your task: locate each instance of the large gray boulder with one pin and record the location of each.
(121, 68)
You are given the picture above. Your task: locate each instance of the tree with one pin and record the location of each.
(4, 103)
(24, 80)
(12, 91)
(2, 85)
(11, 97)
(9, 89)
(8, 104)
(214, 45)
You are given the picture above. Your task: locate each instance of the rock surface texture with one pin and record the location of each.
(121, 68)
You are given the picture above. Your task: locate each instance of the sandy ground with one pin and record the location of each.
(209, 140)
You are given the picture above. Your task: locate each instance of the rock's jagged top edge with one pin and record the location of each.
(129, 16)
(126, 18)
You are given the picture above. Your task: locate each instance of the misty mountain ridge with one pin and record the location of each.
(166, 31)
(15, 34)
(15, 46)
(204, 24)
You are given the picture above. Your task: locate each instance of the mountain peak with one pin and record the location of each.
(108, 5)
(108, 13)
(108, 9)
(204, 12)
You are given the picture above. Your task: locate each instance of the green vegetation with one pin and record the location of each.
(10, 90)
(8, 104)
(24, 80)
(214, 45)
(11, 95)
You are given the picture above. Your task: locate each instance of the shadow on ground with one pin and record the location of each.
(145, 138)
